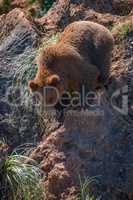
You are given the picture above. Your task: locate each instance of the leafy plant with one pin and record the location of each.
(23, 180)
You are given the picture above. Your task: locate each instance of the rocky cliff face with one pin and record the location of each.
(18, 39)
(90, 145)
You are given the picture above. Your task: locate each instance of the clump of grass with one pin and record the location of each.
(122, 30)
(49, 40)
(26, 69)
(84, 193)
(21, 180)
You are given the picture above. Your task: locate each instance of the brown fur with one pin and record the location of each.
(80, 56)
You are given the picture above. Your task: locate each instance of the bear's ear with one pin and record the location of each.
(32, 85)
(54, 80)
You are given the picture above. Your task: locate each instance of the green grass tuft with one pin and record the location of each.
(122, 30)
(84, 193)
(24, 181)
(47, 41)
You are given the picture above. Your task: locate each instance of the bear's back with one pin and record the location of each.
(87, 36)
(93, 41)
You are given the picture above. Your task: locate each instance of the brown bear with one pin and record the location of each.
(81, 55)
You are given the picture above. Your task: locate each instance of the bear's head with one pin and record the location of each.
(56, 69)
